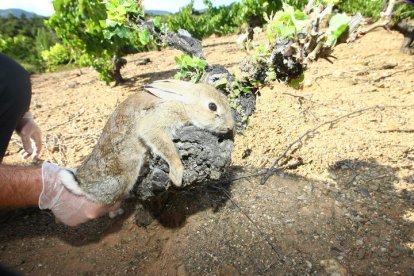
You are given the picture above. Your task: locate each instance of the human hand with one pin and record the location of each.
(69, 208)
(31, 136)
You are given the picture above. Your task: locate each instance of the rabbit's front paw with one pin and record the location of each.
(176, 174)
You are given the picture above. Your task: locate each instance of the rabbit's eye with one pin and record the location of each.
(212, 106)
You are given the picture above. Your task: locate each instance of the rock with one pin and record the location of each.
(373, 187)
(72, 84)
(142, 61)
(228, 270)
(307, 83)
(143, 217)
(360, 242)
(361, 253)
(364, 192)
(181, 271)
(281, 61)
(390, 65)
(334, 268)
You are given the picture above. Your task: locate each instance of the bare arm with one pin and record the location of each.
(20, 186)
(24, 186)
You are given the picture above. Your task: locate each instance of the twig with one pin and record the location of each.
(263, 235)
(374, 26)
(292, 165)
(67, 121)
(369, 69)
(376, 177)
(298, 141)
(299, 97)
(58, 146)
(393, 73)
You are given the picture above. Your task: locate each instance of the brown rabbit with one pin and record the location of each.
(147, 121)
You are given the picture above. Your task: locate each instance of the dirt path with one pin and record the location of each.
(348, 209)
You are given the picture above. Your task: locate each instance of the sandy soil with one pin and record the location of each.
(348, 209)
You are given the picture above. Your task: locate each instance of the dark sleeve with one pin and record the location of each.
(15, 96)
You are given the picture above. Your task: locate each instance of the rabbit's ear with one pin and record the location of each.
(176, 90)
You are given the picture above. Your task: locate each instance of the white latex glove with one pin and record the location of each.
(31, 136)
(68, 208)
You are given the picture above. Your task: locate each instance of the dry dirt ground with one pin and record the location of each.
(347, 210)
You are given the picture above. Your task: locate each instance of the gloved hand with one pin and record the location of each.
(31, 136)
(69, 208)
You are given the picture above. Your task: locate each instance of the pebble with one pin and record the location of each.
(228, 270)
(333, 267)
(307, 83)
(361, 253)
(364, 192)
(181, 271)
(374, 187)
(395, 253)
(389, 65)
(360, 242)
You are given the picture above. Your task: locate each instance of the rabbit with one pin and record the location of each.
(147, 121)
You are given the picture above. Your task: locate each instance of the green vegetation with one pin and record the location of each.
(285, 23)
(24, 39)
(371, 8)
(222, 20)
(191, 68)
(98, 33)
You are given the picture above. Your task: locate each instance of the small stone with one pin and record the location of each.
(55, 149)
(337, 74)
(364, 192)
(361, 253)
(72, 84)
(301, 197)
(332, 175)
(143, 217)
(228, 270)
(374, 187)
(334, 268)
(380, 85)
(181, 271)
(307, 83)
(390, 65)
(395, 253)
(354, 81)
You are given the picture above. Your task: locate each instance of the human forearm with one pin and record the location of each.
(20, 186)
(42, 187)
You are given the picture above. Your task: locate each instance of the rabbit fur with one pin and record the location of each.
(147, 121)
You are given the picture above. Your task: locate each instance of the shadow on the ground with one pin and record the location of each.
(132, 82)
(357, 218)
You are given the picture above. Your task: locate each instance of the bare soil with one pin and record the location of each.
(347, 210)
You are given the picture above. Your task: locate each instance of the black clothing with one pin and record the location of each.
(15, 96)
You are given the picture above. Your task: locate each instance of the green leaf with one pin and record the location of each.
(157, 22)
(221, 82)
(337, 26)
(107, 34)
(122, 32)
(296, 82)
(144, 37)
